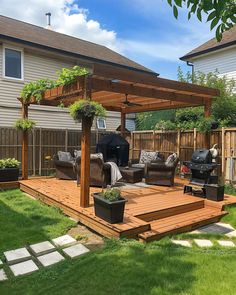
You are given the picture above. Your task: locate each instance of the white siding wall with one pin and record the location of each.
(38, 66)
(224, 61)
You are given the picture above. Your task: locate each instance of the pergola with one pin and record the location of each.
(109, 85)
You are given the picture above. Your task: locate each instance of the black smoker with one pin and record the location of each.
(201, 166)
(114, 148)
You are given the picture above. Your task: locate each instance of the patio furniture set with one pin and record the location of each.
(151, 165)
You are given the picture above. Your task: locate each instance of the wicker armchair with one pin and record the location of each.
(64, 169)
(161, 173)
(100, 172)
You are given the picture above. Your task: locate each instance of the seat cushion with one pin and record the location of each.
(147, 157)
(65, 156)
(97, 156)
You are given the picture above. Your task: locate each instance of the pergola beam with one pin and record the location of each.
(111, 72)
(141, 91)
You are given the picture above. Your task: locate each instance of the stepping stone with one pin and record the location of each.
(231, 234)
(64, 241)
(76, 250)
(16, 256)
(182, 243)
(42, 248)
(3, 276)
(50, 259)
(203, 243)
(23, 268)
(226, 243)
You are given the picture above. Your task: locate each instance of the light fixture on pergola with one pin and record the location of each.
(120, 90)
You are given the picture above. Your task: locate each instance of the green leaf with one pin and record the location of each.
(175, 11)
(199, 14)
(211, 16)
(233, 18)
(178, 3)
(189, 15)
(214, 22)
(170, 2)
(218, 33)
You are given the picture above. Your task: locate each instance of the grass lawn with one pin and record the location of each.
(122, 268)
(24, 220)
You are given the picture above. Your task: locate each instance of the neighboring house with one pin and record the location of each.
(213, 55)
(29, 53)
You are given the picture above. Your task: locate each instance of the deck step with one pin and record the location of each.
(181, 223)
(171, 210)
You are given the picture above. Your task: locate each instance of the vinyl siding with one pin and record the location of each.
(223, 61)
(38, 66)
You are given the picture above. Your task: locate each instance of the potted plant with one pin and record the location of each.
(9, 170)
(86, 109)
(24, 124)
(109, 205)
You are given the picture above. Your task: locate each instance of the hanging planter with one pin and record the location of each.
(24, 124)
(86, 109)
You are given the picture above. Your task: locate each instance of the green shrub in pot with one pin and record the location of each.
(9, 169)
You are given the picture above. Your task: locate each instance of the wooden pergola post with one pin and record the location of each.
(85, 151)
(122, 124)
(25, 144)
(207, 114)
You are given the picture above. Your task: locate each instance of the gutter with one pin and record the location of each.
(222, 46)
(76, 55)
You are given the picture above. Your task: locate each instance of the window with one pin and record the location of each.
(101, 123)
(13, 63)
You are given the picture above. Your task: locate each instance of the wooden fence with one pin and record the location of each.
(44, 142)
(185, 142)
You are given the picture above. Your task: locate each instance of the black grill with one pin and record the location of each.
(201, 166)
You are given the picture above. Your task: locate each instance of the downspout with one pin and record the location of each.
(192, 66)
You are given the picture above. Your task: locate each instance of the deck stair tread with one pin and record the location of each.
(180, 222)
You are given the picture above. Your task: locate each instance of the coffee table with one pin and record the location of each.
(131, 175)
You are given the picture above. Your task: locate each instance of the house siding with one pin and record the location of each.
(224, 61)
(38, 66)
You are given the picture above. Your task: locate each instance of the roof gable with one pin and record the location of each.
(228, 39)
(38, 36)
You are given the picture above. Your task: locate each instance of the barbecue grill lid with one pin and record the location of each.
(202, 156)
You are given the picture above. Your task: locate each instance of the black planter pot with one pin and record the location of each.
(9, 174)
(112, 212)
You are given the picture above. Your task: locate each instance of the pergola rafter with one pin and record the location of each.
(109, 85)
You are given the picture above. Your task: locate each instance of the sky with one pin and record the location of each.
(143, 30)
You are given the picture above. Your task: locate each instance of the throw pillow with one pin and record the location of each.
(147, 157)
(170, 160)
(77, 153)
(64, 156)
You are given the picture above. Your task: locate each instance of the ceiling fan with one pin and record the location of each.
(129, 103)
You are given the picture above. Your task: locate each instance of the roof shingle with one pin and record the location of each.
(38, 36)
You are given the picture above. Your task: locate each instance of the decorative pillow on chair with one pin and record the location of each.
(147, 157)
(170, 160)
(96, 156)
(77, 153)
(64, 156)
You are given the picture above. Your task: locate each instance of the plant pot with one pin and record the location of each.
(112, 212)
(9, 174)
(214, 192)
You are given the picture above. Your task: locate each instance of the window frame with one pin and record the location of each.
(4, 47)
(98, 126)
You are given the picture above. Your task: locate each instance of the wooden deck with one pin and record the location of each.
(150, 213)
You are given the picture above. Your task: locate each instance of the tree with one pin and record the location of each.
(220, 13)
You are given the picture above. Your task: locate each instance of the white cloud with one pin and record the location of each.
(67, 18)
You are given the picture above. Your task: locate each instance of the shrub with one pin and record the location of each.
(166, 125)
(111, 195)
(24, 124)
(9, 163)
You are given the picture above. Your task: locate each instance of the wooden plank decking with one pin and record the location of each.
(150, 212)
